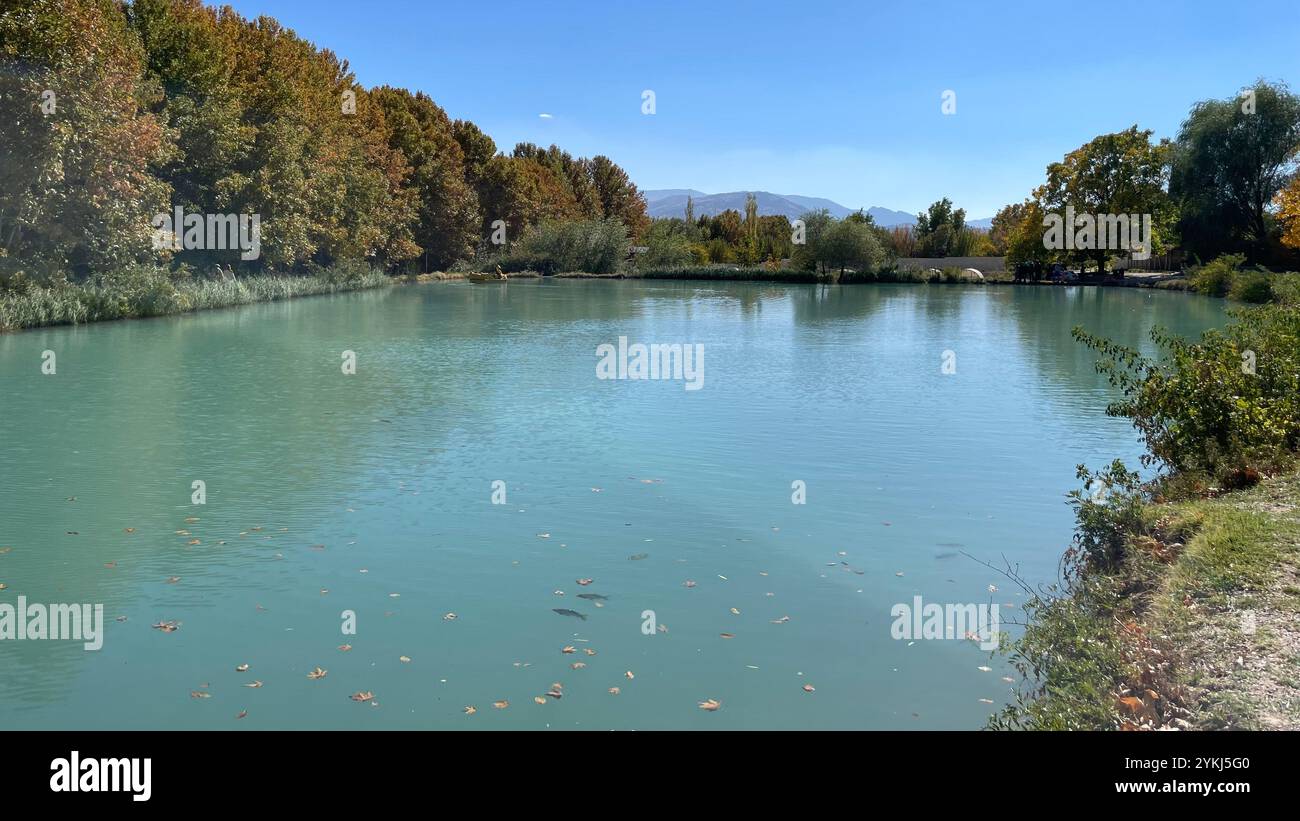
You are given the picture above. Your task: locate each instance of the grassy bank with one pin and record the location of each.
(1197, 628)
(146, 292)
(1178, 600)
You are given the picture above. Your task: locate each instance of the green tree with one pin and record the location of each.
(1114, 174)
(938, 227)
(618, 195)
(1230, 160)
(448, 212)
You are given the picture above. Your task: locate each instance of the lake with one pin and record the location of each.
(474, 464)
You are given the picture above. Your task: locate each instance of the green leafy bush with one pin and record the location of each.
(590, 246)
(1227, 406)
(1251, 286)
(1215, 278)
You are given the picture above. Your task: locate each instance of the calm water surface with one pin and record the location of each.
(373, 493)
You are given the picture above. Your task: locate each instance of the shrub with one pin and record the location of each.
(1227, 406)
(669, 252)
(1251, 286)
(590, 246)
(1108, 509)
(1215, 278)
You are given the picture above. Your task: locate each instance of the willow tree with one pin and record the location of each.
(1230, 160)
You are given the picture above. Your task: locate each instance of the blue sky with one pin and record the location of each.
(838, 100)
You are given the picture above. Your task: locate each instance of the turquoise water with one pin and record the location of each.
(373, 493)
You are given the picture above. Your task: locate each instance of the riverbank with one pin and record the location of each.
(1197, 629)
(1178, 600)
(733, 273)
(152, 292)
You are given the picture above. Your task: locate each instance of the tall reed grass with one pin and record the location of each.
(144, 292)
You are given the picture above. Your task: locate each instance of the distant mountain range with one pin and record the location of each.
(671, 202)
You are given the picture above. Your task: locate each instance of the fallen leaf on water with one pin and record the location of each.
(501, 705)
(318, 673)
(345, 647)
(364, 695)
(710, 705)
(243, 668)
(471, 710)
(613, 691)
(254, 684)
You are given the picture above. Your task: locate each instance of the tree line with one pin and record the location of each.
(1225, 185)
(112, 112)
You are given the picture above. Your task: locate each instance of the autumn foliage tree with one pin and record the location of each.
(112, 112)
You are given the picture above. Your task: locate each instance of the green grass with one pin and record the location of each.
(1169, 621)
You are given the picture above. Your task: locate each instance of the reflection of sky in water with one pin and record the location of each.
(389, 472)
